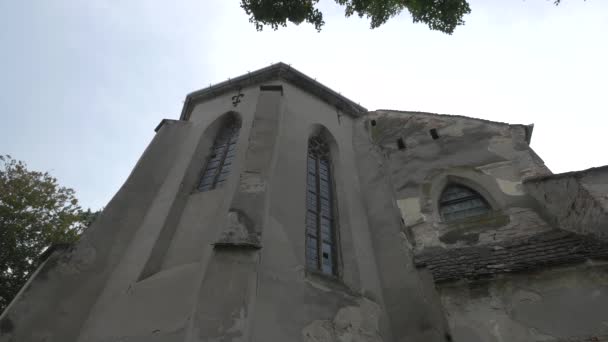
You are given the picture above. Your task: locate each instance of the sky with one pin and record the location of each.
(83, 84)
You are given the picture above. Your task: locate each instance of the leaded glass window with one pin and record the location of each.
(320, 223)
(459, 202)
(221, 158)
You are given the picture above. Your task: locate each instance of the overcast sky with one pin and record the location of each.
(84, 83)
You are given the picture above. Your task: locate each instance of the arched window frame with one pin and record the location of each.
(221, 156)
(477, 202)
(321, 215)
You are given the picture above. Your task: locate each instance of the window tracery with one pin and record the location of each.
(320, 223)
(222, 156)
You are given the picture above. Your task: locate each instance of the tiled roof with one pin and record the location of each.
(556, 247)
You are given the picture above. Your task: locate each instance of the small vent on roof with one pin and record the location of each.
(272, 88)
(434, 133)
(400, 144)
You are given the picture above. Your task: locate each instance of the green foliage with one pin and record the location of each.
(35, 212)
(275, 13)
(440, 15)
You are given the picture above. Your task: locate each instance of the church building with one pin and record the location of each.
(277, 210)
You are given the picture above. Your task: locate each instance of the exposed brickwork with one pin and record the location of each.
(555, 247)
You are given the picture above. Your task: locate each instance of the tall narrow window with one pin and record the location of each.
(459, 202)
(222, 155)
(320, 227)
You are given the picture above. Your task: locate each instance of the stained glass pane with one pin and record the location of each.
(221, 157)
(213, 164)
(319, 223)
(311, 201)
(327, 265)
(326, 231)
(459, 202)
(219, 151)
(325, 206)
(208, 179)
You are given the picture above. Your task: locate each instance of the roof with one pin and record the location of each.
(52, 248)
(278, 71)
(528, 128)
(574, 174)
(284, 72)
(556, 247)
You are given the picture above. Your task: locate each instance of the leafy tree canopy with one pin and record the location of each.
(440, 15)
(35, 212)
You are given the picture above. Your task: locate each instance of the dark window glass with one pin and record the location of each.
(222, 155)
(459, 202)
(320, 228)
(401, 144)
(434, 133)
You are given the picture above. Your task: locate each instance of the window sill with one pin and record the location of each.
(333, 282)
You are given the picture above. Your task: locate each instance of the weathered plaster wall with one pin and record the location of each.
(575, 201)
(596, 182)
(491, 158)
(132, 293)
(168, 263)
(291, 302)
(560, 304)
(161, 279)
(98, 286)
(57, 302)
(411, 303)
(518, 235)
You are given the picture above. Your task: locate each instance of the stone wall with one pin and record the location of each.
(166, 262)
(489, 157)
(511, 274)
(555, 305)
(575, 201)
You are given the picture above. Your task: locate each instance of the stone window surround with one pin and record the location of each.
(484, 185)
(316, 274)
(454, 196)
(226, 119)
(322, 173)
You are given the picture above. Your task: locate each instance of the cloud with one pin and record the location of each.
(85, 83)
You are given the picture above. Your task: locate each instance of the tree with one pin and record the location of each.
(440, 15)
(35, 212)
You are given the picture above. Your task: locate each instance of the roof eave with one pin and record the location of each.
(279, 71)
(528, 128)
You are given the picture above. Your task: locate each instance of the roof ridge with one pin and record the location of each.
(277, 71)
(450, 116)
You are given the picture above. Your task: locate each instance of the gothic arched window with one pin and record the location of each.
(320, 223)
(459, 202)
(222, 155)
